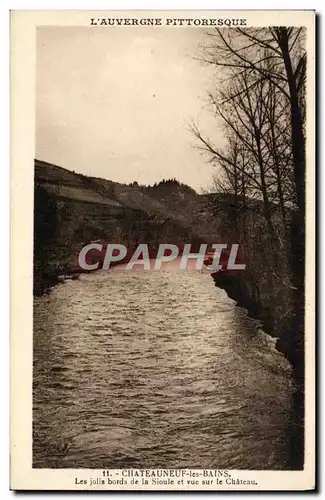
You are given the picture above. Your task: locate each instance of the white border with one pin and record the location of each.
(99, 5)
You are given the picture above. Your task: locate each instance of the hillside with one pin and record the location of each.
(72, 209)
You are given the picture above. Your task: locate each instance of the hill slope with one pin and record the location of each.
(72, 209)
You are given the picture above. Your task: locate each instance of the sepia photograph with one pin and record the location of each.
(168, 301)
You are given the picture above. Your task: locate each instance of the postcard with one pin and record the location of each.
(162, 250)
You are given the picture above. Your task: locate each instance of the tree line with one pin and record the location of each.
(259, 98)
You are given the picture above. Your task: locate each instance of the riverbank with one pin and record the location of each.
(44, 283)
(246, 295)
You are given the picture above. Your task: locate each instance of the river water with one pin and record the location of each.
(155, 370)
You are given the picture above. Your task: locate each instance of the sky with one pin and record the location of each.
(116, 103)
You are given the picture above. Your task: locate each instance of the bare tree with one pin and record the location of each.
(245, 161)
(276, 55)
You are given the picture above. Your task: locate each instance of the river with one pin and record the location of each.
(155, 370)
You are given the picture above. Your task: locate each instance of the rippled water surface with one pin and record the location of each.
(155, 369)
